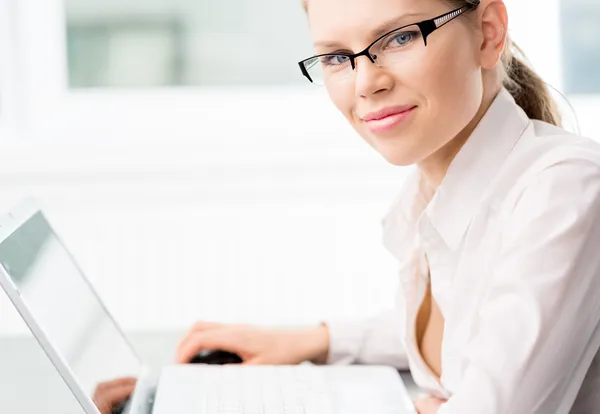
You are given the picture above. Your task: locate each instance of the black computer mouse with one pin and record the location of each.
(216, 357)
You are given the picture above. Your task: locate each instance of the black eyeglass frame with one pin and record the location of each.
(427, 27)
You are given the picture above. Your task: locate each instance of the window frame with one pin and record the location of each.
(8, 71)
(174, 111)
(160, 114)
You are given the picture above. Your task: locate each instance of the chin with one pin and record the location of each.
(399, 160)
(400, 148)
(398, 155)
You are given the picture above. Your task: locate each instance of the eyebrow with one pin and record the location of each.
(375, 33)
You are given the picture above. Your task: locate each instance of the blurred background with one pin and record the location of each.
(195, 174)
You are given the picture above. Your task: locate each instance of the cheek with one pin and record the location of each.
(453, 88)
(346, 101)
(342, 97)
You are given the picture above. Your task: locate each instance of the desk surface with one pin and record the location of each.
(29, 384)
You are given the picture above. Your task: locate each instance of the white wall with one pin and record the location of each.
(179, 211)
(170, 234)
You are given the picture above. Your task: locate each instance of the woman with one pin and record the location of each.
(496, 232)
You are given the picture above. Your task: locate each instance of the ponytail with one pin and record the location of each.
(527, 88)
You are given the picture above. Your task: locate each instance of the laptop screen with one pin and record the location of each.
(65, 307)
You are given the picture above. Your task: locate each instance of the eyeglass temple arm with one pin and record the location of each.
(429, 26)
(305, 72)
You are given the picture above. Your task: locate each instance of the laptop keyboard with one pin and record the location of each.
(232, 389)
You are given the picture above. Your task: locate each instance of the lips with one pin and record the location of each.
(385, 112)
(387, 119)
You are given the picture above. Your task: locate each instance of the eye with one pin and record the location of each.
(334, 60)
(401, 39)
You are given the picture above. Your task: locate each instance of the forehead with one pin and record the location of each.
(348, 20)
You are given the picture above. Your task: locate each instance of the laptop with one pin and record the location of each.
(88, 348)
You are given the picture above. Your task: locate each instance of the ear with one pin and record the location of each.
(494, 27)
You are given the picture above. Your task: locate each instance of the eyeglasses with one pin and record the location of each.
(400, 45)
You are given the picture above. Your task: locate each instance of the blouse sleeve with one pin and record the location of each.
(374, 341)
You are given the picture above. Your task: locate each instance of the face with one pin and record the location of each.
(432, 98)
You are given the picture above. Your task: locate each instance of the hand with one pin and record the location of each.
(428, 405)
(111, 393)
(256, 345)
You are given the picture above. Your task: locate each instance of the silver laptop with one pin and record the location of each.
(88, 348)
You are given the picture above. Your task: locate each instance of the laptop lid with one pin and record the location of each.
(60, 306)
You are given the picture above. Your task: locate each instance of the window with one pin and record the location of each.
(3, 62)
(153, 70)
(165, 43)
(8, 80)
(580, 62)
(580, 45)
(125, 54)
(163, 71)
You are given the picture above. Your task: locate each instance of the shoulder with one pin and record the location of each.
(547, 155)
(543, 145)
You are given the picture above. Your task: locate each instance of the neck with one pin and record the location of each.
(434, 168)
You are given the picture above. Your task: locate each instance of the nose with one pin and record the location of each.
(370, 78)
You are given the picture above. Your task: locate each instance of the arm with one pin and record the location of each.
(375, 341)
(542, 313)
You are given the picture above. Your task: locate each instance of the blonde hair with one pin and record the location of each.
(527, 88)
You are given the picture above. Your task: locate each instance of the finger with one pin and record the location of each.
(225, 340)
(204, 325)
(200, 326)
(197, 327)
(208, 340)
(114, 392)
(122, 381)
(118, 394)
(107, 385)
(428, 404)
(255, 361)
(422, 404)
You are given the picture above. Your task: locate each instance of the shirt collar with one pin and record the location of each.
(473, 168)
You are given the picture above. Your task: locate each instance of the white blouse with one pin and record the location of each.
(512, 240)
